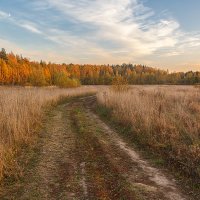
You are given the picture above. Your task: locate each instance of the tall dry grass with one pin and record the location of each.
(166, 119)
(21, 110)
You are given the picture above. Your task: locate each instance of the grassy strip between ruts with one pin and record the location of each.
(103, 179)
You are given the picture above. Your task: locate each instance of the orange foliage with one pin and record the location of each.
(16, 70)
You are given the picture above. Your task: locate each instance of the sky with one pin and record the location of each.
(159, 33)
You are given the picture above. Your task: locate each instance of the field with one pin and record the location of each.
(165, 119)
(21, 109)
(80, 154)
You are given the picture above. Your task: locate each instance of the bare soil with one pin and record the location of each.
(80, 157)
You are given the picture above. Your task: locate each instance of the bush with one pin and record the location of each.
(62, 80)
(37, 78)
(120, 84)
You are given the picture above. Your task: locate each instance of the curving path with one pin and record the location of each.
(80, 157)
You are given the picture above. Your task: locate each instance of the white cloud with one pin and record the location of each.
(30, 27)
(127, 23)
(122, 30)
(4, 15)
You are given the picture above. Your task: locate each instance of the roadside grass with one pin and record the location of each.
(190, 184)
(164, 118)
(28, 153)
(21, 112)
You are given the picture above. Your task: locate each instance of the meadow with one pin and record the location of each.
(163, 119)
(21, 111)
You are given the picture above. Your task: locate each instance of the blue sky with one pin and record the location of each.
(159, 33)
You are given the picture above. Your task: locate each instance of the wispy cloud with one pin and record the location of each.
(126, 23)
(30, 27)
(107, 31)
(4, 15)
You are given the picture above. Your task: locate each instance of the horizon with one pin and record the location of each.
(149, 32)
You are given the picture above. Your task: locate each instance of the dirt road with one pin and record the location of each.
(80, 157)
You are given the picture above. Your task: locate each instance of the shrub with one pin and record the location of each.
(37, 78)
(120, 84)
(62, 80)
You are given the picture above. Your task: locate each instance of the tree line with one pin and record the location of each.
(17, 70)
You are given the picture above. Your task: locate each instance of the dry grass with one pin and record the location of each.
(21, 110)
(164, 118)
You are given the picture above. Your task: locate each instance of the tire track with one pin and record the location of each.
(82, 158)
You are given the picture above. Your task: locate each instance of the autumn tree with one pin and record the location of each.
(120, 84)
(3, 55)
(16, 70)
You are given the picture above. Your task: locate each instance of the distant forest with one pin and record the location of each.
(17, 70)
